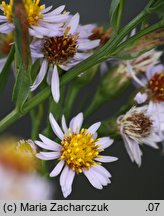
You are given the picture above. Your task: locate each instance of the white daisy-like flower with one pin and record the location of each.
(18, 186)
(78, 152)
(42, 21)
(137, 127)
(153, 83)
(64, 51)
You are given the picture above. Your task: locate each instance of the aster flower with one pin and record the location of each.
(64, 51)
(42, 21)
(153, 83)
(137, 127)
(78, 152)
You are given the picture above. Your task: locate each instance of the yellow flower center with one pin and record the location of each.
(32, 8)
(80, 150)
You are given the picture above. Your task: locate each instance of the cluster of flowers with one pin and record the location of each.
(144, 124)
(59, 41)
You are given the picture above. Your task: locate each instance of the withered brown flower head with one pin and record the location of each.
(102, 34)
(59, 50)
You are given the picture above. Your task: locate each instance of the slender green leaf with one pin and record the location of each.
(116, 12)
(6, 69)
(21, 88)
(23, 58)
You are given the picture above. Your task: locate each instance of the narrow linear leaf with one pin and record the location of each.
(115, 13)
(23, 57)
(21, 88)
(6, 69)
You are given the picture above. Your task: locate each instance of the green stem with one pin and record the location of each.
(71, 96)
(139, 35)
(37, 121)
(10, 119)
(16, 114)
(96, 103)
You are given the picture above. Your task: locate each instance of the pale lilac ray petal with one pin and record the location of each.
(106, 159)
(58, 168)
(68, 187)
(3, 18)
(71, 123)
(6, 28)
(93, 128)
(40, 76)
(50, 143)
(64, 125)
(36, 55)
(56, 127)
(102, 179)
(94, 136)
(102, 171)
(73, 24)
(56, 11)
(48, 155)
(141, 97)
(151, 143)
(57, 18)
(77, 123)
(44, 146)
(63, 178)
(104, 142)
(91, 178)
(45, 10)
(126, 142)
(40, 29)
(55, 85)
(81, 56)
(34, 33)
(83, 46)
(137, 154)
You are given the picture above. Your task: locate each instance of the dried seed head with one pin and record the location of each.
(59, 50)
(136, 124)
(139, 124)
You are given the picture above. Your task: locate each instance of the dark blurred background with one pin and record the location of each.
(128, 181)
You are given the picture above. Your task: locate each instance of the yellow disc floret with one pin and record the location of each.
(32, 8)
(80, 150)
